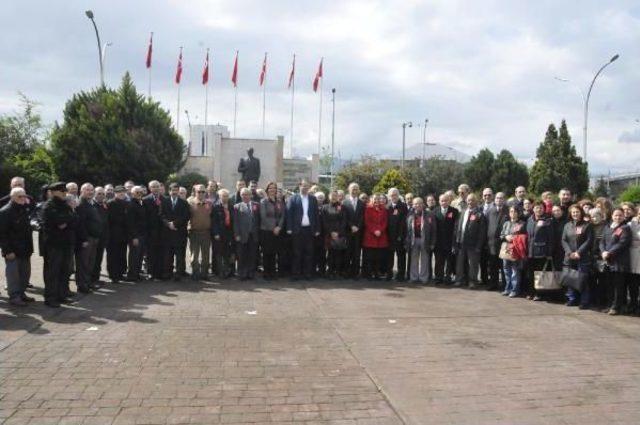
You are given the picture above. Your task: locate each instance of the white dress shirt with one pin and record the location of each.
(305, 210)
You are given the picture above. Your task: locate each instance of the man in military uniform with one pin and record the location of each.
(117, 245)
(57, 222)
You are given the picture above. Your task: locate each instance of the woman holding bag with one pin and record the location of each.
(614, 246)
(540, 252)
(512, 266)
(577, 242)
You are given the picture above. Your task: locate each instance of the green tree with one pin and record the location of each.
(631, 194)
(479, 170)
(392, 178)
(187, 180)
(113, 135)
(508, 173)
(437, 176)
(557, 164)
(601, 188)
(367, 172)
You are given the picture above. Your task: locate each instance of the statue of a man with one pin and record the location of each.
(249, 168)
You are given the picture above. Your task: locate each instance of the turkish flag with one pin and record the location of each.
(149, 51)
(316, 81)
(205, 72)
(293, 72)
(179, 68)
(234, 75)
(263, 73)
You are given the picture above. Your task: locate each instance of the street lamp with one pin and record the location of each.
(586, 104)
(104, 52)
(89, 14)
(424, 141)
(404, 130)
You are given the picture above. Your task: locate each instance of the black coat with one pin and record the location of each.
(295, 211)
(355, 213)
(117, 219)
(445, 228)
(397, 224)
(180, 216)
(57, 222)
(474, 234)
(218, 227)
(153, 220)
(334, 219)
(540, 238)
(577, 239)
(15, 230)
(496, 217)
(617, 242)
(136, 220)
(103, 217)
(89, 220)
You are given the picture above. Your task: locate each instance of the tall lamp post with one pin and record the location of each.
(89, 14)
(333, 131)
(586, 104)
(424, 141)
(404, 137)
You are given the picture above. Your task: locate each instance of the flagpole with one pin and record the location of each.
(264, 93)
(293, 90)
(235, 96)
(320, 120)
(206, 106)
(178, 110)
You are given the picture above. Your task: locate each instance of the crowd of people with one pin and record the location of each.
(588, 251)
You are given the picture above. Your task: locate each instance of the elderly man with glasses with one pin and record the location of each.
(200, 232)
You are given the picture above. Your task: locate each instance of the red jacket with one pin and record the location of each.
(375, 218)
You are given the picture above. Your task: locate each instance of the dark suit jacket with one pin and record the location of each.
(445, 227)
(429, 230)
(89, 220)
(355, 213)
(117, 219)
(294, 214)
(580, 239)
(136, 220)
(180, 216)
(397, 224)
(495, 219)
(152, 216)
(617, 242)
(218, 227)
(246, 221)
(474, 234)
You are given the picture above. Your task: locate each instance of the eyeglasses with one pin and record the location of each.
(202, 191)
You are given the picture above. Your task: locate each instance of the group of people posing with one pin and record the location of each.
(536, 248)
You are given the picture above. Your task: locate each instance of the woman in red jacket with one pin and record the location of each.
(374, 241)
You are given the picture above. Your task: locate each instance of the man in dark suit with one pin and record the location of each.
(246, 226)
(174, 212)
(90, 224)
(137, 231)
(496, 215)
(471, 234)
(222, 234)
(117, 245)
(446, 217)
(302, 225)
(154, 244)
(355, 216)
(396, 232)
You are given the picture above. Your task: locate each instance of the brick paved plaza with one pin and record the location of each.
(314, 353)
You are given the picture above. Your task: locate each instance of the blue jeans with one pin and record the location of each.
(573, 295)
(18, 273)
(512, 270)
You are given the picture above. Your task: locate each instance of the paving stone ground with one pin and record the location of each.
(316, 352)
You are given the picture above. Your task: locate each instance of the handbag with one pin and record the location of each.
(574, 279)
(340, 243)
(546, 279)
(505, 252)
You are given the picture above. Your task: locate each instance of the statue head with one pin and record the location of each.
(250, 152)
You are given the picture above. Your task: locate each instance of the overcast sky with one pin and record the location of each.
(482, 72)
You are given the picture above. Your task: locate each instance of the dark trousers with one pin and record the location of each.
(225, 256)
(178, 254)
(116, 259)
(374, 262)
(302, 253)
(444, 266)
(468, 259)
(101, 245)
(135, 259)
(400, 253)
(319, 255)
(56, 283)
(490, 266)
(354, 250)
(633, 281)
(247, 255)
(18, 273)
(155, 257)
(617, 288)
(270, 245)
(85, 259)
(335, 261)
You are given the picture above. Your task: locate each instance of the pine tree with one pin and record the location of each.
(479, 169)
(392, 178)
(557, 165)
(508, 173)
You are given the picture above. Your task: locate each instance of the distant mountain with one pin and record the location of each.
(432, 150)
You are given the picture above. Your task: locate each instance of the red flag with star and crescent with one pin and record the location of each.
(205, 72)
(149, 51)
(234, 74)
(263, 72)
(179, 68)
(293, 72)
(316, 81)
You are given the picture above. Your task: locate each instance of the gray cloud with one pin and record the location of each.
(630, 136)
(482, 72)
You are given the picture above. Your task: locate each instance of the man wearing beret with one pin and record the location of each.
(59, 237)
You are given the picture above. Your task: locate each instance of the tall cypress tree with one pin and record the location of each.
(557, 164)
